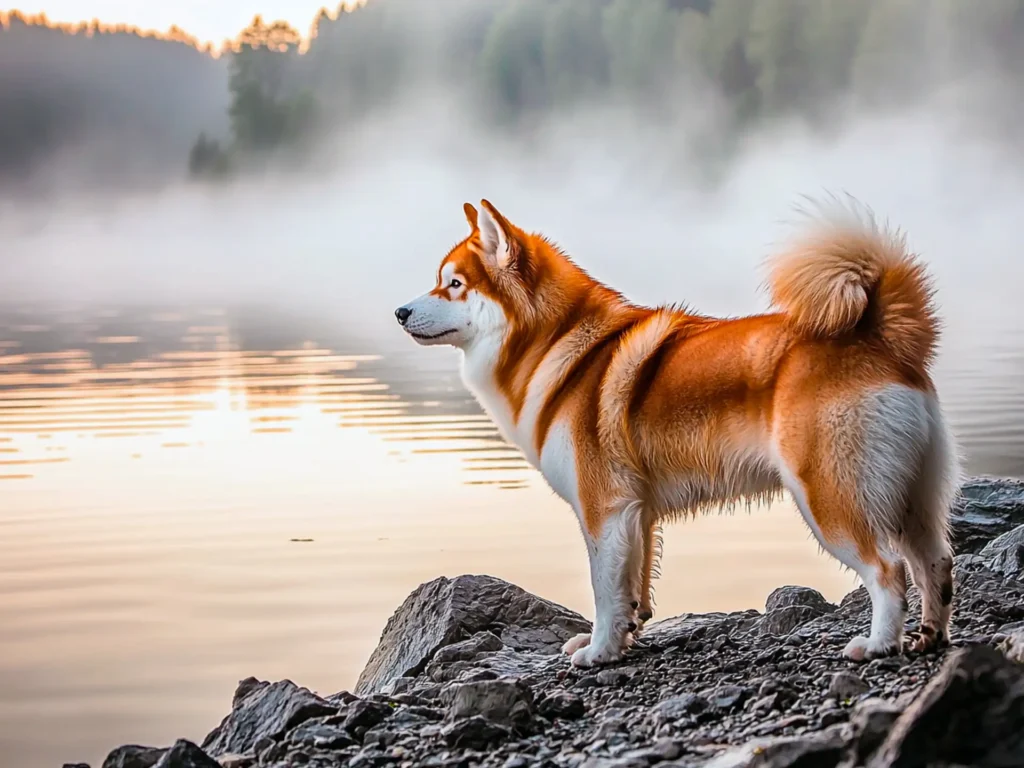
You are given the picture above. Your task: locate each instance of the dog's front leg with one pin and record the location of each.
(616, 560)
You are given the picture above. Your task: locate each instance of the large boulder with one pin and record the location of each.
(446, 611)
(1005, 554)
(986, 508)
(262, 709)
(971, 713)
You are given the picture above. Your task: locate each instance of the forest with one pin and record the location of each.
(276, 93)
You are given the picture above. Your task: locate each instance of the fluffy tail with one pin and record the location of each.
(850, 275)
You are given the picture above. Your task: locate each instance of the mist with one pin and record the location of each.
(354, 244)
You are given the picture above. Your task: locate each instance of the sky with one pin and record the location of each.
(208, 20)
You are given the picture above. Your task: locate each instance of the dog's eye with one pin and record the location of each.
(455, 284)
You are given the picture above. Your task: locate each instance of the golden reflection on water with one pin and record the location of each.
(182, 509)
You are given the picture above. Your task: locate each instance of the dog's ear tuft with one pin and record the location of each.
(497, 237)
(471, 216)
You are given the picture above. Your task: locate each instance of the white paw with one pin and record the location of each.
(593, 656)
(865, 648)
(573, 644)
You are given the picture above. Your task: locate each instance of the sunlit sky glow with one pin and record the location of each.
(208, 20)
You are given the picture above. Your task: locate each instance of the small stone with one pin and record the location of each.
(832, 717)
(185, 754)
(611, 677)
(362, 715)
(319, 734)
(728, 697)
(846, 685)
(561, 704)
(501, 701)
(473, 733)
(133, 756)
(1012, 646)
(237, 761)
(677, 708)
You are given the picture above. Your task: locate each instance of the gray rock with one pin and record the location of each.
(1012, 646)
(262, 709)
(986, 508)
(321, 733)
(446, 611)
(786, 597)
(727, 697)
(504, 663)
(500, 701)
(971, 713)
(473, 733)
(870, 724)
(783, 621)
(1005, 554)
(662, 749)
(846, 685)
(185, 754)
(133, 756)
(677, 708)
(360, 716)
(469, 650)
(561, 704)
(687, 627)
(612, 677)
(824, 750)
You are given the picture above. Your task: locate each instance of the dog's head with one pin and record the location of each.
(483, 285)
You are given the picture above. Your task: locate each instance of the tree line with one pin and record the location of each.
(275, 93)
(524, 61)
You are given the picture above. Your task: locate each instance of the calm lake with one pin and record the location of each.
(190, 497)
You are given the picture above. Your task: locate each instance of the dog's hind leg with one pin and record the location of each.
(925, 539)
(842, 530)
(652, 552)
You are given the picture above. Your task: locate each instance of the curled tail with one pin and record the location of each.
(848, 275)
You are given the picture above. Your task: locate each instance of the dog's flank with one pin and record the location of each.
(638, 415)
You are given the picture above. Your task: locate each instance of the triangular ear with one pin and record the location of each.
(471, 217)
(496, 236)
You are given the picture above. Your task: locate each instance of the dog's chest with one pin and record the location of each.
(556, 458)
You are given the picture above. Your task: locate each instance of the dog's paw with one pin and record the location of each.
(864, 649)
(592, 656)
(926, 640)
(574, 644)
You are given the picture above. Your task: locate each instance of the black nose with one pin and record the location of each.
(402, 313)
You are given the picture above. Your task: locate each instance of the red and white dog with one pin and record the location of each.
(637, 415)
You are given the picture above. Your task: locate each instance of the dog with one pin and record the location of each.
(637, 415)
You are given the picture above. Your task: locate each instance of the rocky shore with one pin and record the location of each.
(468, 673)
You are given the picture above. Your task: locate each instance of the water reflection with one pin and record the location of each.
(159, 372)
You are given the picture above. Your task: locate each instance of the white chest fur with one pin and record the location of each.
(556, 462)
